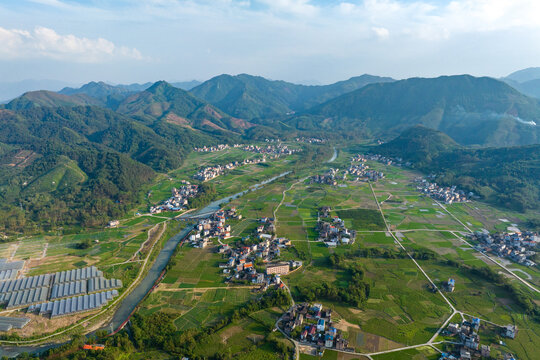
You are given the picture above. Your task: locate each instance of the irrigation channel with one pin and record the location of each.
(128, 306)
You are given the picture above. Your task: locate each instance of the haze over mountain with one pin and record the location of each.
(249, 97)
(473, 111)
(10, 90)
(525, 75)
(45, 98)
(526, 81)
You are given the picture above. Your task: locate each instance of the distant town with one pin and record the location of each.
(179, 199)
(517, 246)
(446, 194)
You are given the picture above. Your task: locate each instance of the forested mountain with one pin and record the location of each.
(112, 95)
(44, 98)
(82, 164)
(12, 89)
(109, 95)
(530, 88)
(249, 97)
(71, 159)
(526, 81)
(165, 102)
(525, 75)
(506, 176)
(473, 111)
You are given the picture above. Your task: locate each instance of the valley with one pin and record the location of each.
(405, 243)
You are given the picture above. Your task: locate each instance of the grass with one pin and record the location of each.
(365, 219)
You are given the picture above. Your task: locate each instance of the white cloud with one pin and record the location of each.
(42, 42)
(382, 33)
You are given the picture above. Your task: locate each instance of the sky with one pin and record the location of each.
(307, 41)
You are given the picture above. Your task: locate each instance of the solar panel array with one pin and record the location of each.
(76, 304)
(77, 274)
(8, 323)
(69, 289)
(9, 270)
(8, 274)
(25, 297)
(38, 289)
(100, 284)
(31, 282)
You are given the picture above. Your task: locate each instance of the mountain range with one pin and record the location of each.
(473, 111)
(91, 150)
(249, 97)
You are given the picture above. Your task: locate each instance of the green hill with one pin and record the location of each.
(165, 102)
(109, 95)
(419, 145)
(82, 164)
(506, 176)
(44, 98)
(473, 111)
(250, 97)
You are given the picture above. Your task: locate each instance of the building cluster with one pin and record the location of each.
(470, 347)
(362, 171)
(447, 195)
(213, 227)
(386, 160)
(316, 326)
(273, 151)
(330, 178)
(211, 172)
(266, 249)
(61, 293)
(449, 285)
(517, 246)
(469, 340)
(334, 232)
(310, 140)
(214, 148)
(179, 199)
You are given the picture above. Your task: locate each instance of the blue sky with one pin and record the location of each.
(314, 41)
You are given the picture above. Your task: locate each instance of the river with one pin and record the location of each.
(132, 300)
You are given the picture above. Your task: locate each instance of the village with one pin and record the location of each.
(214, 148)
(251, 261)
(468, 340)
(211, 172)
(333, 233)
(310, 324)
(359, 172)
(379, 158)
(517, 246)
(179, 199)
(448, 195)
(310, 140)
(273, 151)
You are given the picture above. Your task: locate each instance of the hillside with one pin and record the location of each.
(419, 144)
(473, 111)
(109, 95)
(506, 176)
(81, 165)
(524, 75)
(250, 97)
(44, 98)
(163, 101)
